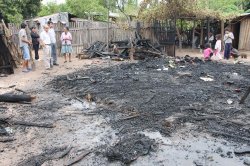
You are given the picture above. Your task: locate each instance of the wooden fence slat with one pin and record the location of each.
(84, 33)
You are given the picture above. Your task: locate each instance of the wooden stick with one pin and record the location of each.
(23, 123)
(15, 98)
(11, 86)
(242, 100)
(130, 117)
(49, 154)
(63, 153)
(7, 139)
(151, 98)
(77, 158)
(242, 150)
(45, 125)
(77, 98)
(207, 117)
(20, 90)
(229, 135)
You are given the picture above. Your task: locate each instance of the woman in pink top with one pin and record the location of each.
(208, 52)
(66, 39)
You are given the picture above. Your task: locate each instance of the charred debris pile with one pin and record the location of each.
(163, 94)
(138, 48)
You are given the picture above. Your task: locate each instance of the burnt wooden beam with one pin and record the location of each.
(242, 100)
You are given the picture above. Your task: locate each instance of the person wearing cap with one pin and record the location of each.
(24, 45)
(52, 35)
(45, 42)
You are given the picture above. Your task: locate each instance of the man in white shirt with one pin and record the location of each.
(228, 39)
(52, 35)
(45, 42)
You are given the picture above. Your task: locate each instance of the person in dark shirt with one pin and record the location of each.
(35, 41)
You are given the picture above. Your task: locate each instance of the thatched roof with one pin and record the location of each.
(181, 9)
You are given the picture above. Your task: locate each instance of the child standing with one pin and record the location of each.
(217, 48)
(208, 52)
(228, 39)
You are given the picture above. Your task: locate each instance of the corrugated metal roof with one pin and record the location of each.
(245, 14)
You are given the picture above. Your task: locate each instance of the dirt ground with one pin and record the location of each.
(94, 126)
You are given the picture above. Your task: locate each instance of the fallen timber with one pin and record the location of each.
(139, 48)
(16, 98)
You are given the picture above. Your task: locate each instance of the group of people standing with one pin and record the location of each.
(47, 40)
(216, 53)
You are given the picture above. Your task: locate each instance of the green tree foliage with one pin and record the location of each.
(29, 8)
(224, 7)
(87, 8)
(246, 5)
(52, 8)
(220, 9)
(131, 7)
(17, 10)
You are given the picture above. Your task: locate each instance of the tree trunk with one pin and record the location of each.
(202, 31)
(222, 34)
(179, 37)
(193, 36)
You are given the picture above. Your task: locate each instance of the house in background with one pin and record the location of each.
(241, 29)
(61, 17)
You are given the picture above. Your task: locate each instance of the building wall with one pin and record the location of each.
(244, 40)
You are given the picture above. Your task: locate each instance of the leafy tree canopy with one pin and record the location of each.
(218, 9)
(86, 8)
(52, 8)
(90, 8)
(17, 10)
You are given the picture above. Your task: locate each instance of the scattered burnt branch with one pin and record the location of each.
(24, 123)
(16, 98)
(154, 94)
(20, 90)
(7, 139)
(242, 100)
(11, 86)
(63, 153)
(228, 135)
(50, 154)
(77, 158)
(32, 124)
(130, 117)
(243, 150)
(208, 117)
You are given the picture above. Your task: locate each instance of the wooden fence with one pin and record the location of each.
(85, 33)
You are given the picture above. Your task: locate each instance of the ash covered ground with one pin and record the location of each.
(162, 95)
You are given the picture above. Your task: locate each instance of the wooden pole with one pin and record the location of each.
(202, 31)
(245, 96)
(108, 27)
(222, 34)
(179, 37)
(193, 35)
(208, 27)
